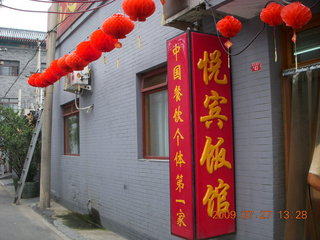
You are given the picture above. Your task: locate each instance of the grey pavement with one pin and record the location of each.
(21, 222)
(27, 222)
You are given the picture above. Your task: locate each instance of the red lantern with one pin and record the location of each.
(56, 69)
(40, 81)
(229, 26)
(49, 76)
(76, 62)
(138, 10)
(103, 42)
(117, 26)
(63, 65)
(32, 79)
(271, 14)
(87, 52)
(296, 15)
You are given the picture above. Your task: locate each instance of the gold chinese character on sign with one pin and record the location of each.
(212, 103)
(210, 65)
(176, 51)
(177, 93)
(214, 156)
(179, 159)
(220, 195)
(181, 201)
(177, 115)
(180, 184)
(178, 136)
(180, 220)
(177, 72)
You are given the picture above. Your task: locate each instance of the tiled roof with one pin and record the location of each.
(21, 35)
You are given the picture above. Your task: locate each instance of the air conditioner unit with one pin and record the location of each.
(182, 14)
(78, 80)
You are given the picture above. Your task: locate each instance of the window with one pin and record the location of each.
(71, 129)
(307, 45)
(155, 114)
(9, 68)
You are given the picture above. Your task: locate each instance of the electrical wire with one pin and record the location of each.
(65, 1)
(76, 12)
(88, 108)
(219, 37)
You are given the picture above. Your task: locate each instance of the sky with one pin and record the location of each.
(21, 20)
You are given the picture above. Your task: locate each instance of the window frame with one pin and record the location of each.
(69, 109)
(145, 125)
(8, 62)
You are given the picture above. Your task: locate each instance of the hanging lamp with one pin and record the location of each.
(138, 10)
(296, 15)
(56, 69)
(103, 42)
(229, 27)
(88, 53)
(63, 65)
(271, 15)
(76, 62)
(117, 26)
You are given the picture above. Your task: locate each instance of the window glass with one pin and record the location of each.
(155, 114)
(71, 129)
(308, 44)
(72, 134)
(157, 104)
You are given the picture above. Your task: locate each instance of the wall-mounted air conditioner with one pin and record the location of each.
(78, 80)
(182, 14)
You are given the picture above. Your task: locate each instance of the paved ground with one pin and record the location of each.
(22, 223)
(27, 222)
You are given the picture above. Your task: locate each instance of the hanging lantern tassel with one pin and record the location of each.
(162, 15)
(296, 15)
(118, 62)
(294, 40)
(275, 45)
(104, 59)
(139, 36)
(228, 45)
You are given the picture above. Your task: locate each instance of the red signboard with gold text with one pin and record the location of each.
(202, 185)
(180, 134)
(65, 18)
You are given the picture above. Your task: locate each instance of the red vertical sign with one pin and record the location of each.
(209, 143)
(213, 138)
(182, 217)
(67, 16)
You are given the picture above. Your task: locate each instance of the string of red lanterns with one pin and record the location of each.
(102, 40)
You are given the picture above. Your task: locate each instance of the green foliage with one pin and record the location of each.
(15, 137)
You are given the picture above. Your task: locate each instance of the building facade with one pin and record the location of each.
(115, 158)
(18, 59)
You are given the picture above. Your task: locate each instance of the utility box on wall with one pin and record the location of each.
(78, 80)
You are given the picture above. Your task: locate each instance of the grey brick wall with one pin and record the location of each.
(23, 55)
(132, 194)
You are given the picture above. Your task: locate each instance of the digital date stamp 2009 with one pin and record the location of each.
(262, 214)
